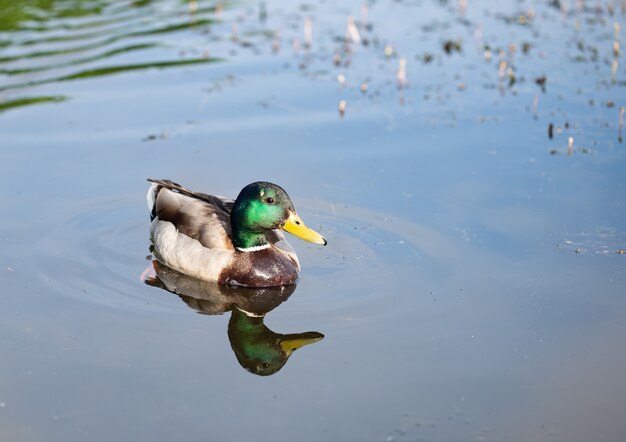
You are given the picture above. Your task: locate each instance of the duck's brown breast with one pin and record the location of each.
(263, 268)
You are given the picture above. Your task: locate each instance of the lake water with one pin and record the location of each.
(474, 284)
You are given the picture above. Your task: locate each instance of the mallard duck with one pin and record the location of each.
(230, 242)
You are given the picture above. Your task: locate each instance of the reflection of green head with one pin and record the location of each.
(258, 349)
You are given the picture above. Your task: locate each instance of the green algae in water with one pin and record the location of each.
(27, 101)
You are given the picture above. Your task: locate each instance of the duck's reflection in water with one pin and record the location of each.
(257, 348)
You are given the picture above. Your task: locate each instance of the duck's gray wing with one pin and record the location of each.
(203, 217)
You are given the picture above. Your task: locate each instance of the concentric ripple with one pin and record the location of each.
(100, 252)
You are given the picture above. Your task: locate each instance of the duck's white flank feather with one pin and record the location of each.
(186, 254)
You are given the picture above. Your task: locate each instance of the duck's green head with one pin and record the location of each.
(264, 206)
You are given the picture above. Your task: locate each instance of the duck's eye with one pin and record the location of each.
(269, 200)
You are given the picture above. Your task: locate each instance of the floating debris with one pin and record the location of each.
(353, 31)
(389, 51)
(487, 55)
(342, 107)
(512, 78)
(614, 67)
(621, 123)
(426, 58)
(342, 79)
(541, 82)
(401, 74)
(570, 146)
(535, 105)
(462, 7)
(363, 87)
(308, 32)
(502, 64)
(336, 59)
(621, 252)
(193, 6)
(450, 46)
(550, 131)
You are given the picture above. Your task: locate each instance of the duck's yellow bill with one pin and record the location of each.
(292, 343)
(295, 226)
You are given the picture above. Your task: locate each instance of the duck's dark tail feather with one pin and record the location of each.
(169, 184)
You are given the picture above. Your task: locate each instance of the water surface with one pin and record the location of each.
(472, 287)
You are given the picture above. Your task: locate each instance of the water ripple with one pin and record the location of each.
(61, 42)
(99, 252)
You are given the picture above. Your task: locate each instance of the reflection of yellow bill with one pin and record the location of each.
(295, 226)
(290, 345)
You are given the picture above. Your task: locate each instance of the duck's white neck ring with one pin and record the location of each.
(253, 248)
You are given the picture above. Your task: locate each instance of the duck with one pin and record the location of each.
(235, 242)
